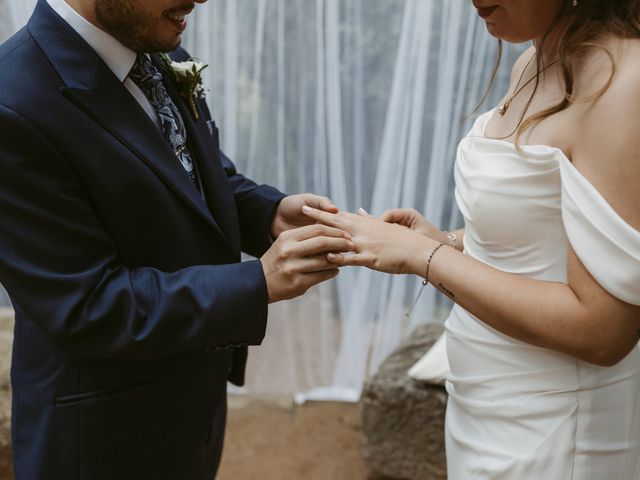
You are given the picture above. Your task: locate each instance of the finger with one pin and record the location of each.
(321, 203)
(350, 259)
(301, 234)
(390, 216)
(341, 216)
(325, 218)
(317, 263)
(395, 215)
(363, 212)
(321, 245)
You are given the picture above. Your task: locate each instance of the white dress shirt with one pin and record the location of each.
(118, 58)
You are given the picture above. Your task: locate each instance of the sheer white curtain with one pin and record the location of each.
(360, 100)
(14, 14)
(363, 101)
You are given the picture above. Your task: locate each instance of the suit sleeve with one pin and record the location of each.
(61, 269)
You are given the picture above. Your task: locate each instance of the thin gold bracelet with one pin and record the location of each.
(425, 281)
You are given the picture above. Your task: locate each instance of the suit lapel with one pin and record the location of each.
(206, 149)
(92, 87)
(111, 107)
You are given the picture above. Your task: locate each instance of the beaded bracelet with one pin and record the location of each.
(425, 281)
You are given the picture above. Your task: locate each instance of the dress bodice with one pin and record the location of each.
(522, 209)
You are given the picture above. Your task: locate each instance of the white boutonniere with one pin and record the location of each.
(188, 78)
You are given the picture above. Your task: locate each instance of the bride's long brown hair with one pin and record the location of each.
(586, 25)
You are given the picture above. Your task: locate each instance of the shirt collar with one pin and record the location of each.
(118, 58)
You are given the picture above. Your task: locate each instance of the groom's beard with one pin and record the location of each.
(136, 28)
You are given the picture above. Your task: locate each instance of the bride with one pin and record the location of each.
(542, 340)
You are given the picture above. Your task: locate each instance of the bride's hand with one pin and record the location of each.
(411, 218)
(382, 246)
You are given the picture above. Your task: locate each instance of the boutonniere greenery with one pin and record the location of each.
(188, 78)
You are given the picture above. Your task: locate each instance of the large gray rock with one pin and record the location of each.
(403, 420)
(6, 340)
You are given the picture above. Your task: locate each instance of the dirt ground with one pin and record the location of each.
(271, 439)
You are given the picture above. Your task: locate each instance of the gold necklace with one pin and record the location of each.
(502, 109)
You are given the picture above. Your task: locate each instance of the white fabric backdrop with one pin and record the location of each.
(361, 100)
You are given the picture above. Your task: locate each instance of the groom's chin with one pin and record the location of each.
(165, 45)
(165, 41)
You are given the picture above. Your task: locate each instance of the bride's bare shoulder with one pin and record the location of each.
(609, 132)
(609, 88)
(611, 66)
(627, 67)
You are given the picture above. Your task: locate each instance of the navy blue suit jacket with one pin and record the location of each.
(132, 306)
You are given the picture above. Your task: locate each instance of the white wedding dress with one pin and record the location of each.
(519, 412)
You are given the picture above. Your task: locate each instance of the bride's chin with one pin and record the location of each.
(495, 31)
(509, 37)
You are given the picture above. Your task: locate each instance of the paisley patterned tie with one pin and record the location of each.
(149, 79)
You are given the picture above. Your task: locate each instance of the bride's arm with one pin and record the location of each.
(580, 318)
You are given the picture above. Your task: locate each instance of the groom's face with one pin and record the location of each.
(148, 26)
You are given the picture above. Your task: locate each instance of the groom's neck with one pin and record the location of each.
(86, 9)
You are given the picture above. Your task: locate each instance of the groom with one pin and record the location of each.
(122, 226)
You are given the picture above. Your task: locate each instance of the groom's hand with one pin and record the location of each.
(297, 260)
(289, 214)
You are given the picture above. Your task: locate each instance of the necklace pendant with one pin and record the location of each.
(502, 109)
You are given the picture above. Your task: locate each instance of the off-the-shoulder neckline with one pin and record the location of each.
(484, 119)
